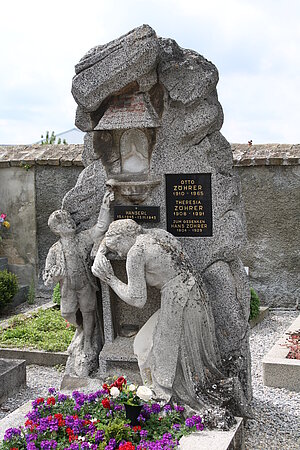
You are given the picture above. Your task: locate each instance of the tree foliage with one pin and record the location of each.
(51, 139)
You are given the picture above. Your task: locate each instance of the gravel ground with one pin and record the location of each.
(22, 308)
(276, 422)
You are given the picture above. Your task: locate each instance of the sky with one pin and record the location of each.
(254, 44)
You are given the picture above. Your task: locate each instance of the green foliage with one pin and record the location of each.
(9, 286)
(44, 330)
(51, 139)
(116, 430)
(25, 166)
(31, 293)
(56, 294)
(254, 304)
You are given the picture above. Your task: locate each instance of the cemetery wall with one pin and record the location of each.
(34, 179)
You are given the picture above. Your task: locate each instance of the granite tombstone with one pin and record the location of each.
(152, 119)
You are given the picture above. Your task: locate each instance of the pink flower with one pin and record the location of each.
(3, 216)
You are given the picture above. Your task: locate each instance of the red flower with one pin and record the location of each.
(51, 401)
(126, 446)
(105, 403)
(40, 400)
(121, 380)
(106, 388)
(137, 428)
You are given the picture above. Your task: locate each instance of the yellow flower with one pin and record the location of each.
(6, 224)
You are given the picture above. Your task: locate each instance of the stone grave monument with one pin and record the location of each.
(152, 119)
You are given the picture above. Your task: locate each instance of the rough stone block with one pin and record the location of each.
(12, 377)
(20, 297)
(108, 68)
(3, 263)
(263, 313)
(35, 356)
(232, 439)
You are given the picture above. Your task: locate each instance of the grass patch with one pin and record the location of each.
(45, 330)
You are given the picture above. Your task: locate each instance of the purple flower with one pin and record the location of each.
(92, 397)
(52, 391)
(73, 447)
(62, 397)
(99, 436)
(47, 445)
(30, 438)
(176, 426)
(179, 408)
(189, 422)
(31, 446)
(118, 407)
(146, 411)
(111, 445)
(143, 434)
(11, 432)
(155, 408)
(168, 408)
(33, 415)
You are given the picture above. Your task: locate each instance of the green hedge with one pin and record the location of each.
(56, 295)
(9, 286)
(254, 304)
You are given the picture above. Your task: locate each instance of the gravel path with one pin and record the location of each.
(276, 423)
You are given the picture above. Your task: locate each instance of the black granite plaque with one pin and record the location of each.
(189, 204)
(138, 213)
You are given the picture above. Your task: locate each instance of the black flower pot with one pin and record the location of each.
(132, 413)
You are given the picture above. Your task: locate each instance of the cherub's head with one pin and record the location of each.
(121, 235)
(60, 222)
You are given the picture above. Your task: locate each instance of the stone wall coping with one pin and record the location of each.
(70, 155)
(266, 154)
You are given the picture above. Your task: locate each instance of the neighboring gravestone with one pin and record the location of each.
(12, 377)
(152, 117)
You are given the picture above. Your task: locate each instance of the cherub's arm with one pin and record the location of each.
(135, 292)
(53, 271)
(98, 231)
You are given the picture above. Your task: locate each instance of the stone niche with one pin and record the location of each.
(150, 110)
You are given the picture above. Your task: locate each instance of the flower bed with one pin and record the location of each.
(98, 421)
(293, 344)
(43, 330)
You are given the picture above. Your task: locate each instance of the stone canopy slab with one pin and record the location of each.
(108, 68)
(129, 111)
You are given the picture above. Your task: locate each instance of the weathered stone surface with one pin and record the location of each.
(12, 377)
(129, 111)
(18, 201)
(106, 69)
(186, 75)
(67, 263)
(272, 206)
(187, 141)
(61, 180)
(177, 348)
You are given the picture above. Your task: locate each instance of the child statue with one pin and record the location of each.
(68, 262)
